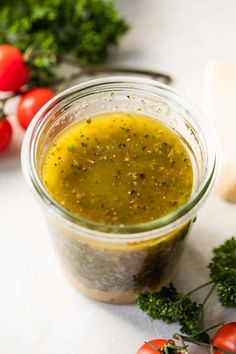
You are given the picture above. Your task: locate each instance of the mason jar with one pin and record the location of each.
(111, 263)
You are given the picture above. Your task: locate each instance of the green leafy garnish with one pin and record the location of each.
(83, 28)
(223, 272)
(169, 305)
(71, 148)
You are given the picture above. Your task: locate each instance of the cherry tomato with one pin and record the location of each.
(30, 103)
(159, 343)
(225, 338)
(5, 134)
(13, 71)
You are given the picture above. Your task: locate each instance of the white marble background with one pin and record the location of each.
(39, 311)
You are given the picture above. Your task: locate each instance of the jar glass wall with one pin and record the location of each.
(112, 262)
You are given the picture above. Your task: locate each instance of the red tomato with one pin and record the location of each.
(13, 72)
(225, 338)
(30, 103)
(5, 134)
(159, 343)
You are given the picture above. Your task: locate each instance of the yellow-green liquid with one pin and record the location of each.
(118, 168)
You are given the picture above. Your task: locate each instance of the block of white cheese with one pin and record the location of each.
(221, 101)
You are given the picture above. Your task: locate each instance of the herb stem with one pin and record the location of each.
(198, 288)
(208, 295)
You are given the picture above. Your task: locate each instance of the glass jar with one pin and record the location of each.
(111, 263)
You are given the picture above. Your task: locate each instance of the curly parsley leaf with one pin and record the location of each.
(83, 28)
(223, 272)
(170, 306)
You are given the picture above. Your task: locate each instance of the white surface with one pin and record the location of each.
(40, 312)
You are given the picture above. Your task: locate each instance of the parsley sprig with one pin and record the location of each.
(170, 305)
(223, 272)
(85, 29)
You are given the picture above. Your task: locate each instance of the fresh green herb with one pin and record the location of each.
(83, 28)
(71, 148)
(170, 305)
(223, 272)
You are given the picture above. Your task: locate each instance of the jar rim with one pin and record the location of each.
(156, 227)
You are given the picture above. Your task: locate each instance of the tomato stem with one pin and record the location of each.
(1, 110)
(190, 340)
(213, 348)
(13, 94)
(89, 69)
(5, 99)
(153, 347)
(166, 347)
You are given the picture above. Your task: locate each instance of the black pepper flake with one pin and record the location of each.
(127, 130)
(164, 145)
(89, 121)
(164, 183)
(84, 144)
(141, 175)
(173, 202)
(144, 148)
(131, 192)
(122, 145)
